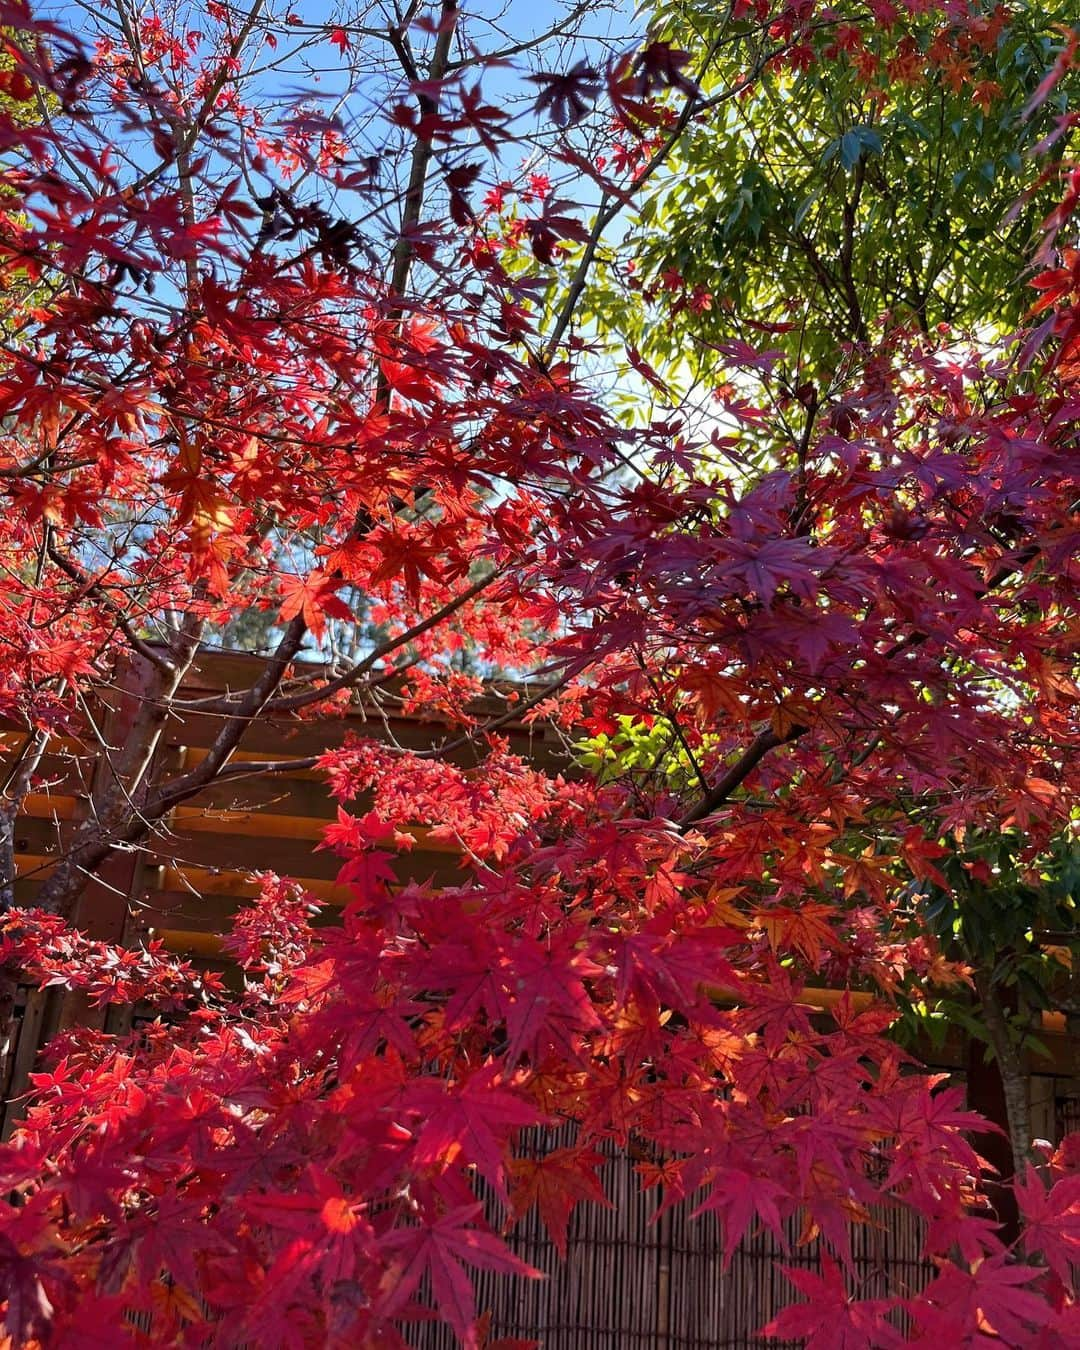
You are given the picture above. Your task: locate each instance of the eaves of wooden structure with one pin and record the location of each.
(187, 880)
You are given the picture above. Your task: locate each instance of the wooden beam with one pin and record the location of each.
(202, 820)
(47, 806)
(231, 882)
(15, 740)
(34, 866)
(181, 942)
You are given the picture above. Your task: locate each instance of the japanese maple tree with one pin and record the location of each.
(834, 211)
(264, 353)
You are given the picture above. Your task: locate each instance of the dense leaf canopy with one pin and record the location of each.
(811, 626)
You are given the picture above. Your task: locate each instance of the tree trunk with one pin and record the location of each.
(1014, 1085)
(8, 981)
(16, 785)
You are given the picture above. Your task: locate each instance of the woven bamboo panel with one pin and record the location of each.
(632, 1280)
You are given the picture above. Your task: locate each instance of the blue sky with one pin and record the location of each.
(605, 25)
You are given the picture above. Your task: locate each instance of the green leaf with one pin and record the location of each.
(804, 207)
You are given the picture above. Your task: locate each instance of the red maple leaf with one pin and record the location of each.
(556, 1183)
(314, 597)
(738, 1197)
(1051, 1221)
(469, 1123)
(990, 1295)
(443, 1250)
(829, 1319)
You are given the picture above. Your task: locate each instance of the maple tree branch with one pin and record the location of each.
(352, 677)
(605, 214)
(740, 770)
(111, 820)
(527, 44)
(253, 702)
(113, 823)
(768, 740)
(145, 649)
(347, 680)
(257, 700)
(402, 50)
(421, 156)
(1010, 1068)
(512, 713)
(608, 209)
(847, 253)
(413, 204)
(185, 144)
(801, 505)
(252, 768)
(676, 726)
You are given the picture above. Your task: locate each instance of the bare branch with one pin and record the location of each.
(528, 44)
(145, 649)
(351, 678)
(608, 208)
(740, 770)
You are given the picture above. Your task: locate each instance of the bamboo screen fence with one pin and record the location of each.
(630, 1281)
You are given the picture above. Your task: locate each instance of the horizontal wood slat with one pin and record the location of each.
(184, 942)
(49, 806)
(196, 865)
(256, 824)
(204, 881)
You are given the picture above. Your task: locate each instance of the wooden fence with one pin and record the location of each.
(630, 1281)
(627, 1283)
(188, 880)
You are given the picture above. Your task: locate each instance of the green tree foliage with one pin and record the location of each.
(833, 199)
(1006, 910)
